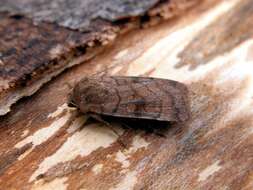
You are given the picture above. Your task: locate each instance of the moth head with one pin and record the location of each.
(88, 93)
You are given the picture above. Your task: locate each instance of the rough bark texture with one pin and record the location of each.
(32, 55)
(46, 145)
(34, 50)
(82, 14)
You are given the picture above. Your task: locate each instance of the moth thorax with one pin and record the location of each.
(95, 94)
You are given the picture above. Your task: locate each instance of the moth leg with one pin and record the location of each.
(125, 125)
(148, 128)
(154, 131)
(100, 119)
(159, 134)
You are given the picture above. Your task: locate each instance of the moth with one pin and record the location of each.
(132, 97)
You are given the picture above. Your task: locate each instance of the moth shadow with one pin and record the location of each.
(159, 128)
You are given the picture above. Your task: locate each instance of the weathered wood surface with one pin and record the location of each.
(45, 145)
(38, 41)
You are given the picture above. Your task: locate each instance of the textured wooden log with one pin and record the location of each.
(46, 145)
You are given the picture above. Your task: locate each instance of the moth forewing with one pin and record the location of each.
(133, 97)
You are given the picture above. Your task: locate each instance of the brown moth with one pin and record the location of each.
(132, 97)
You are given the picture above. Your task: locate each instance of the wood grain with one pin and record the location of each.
(44, 144)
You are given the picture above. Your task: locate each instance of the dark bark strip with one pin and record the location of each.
(30, 55)
(78, 14)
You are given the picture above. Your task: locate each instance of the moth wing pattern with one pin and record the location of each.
(144, 98)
